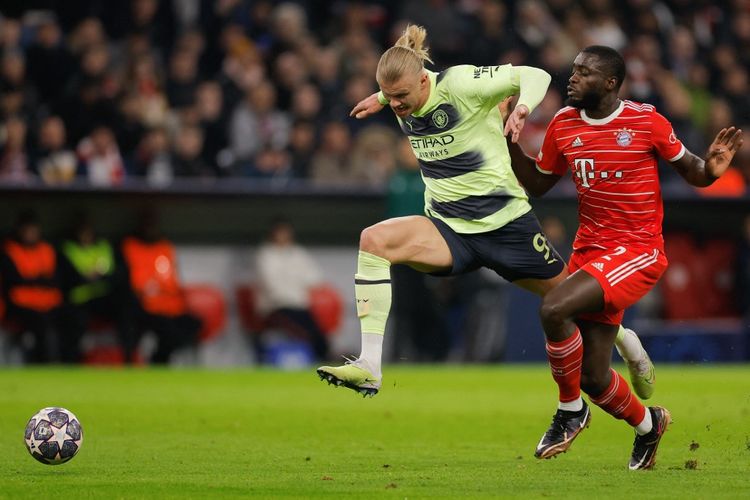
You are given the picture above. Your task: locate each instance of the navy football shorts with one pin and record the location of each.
(518, 250)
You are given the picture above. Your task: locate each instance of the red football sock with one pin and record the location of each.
(618, 401)
(565, 361)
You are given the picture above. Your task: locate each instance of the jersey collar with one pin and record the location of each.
(432, 98)
(606, 119)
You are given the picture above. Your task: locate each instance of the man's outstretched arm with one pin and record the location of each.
(701, 172)
(368, 106)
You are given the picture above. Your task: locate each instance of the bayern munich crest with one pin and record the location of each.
(624, 137)
(440, 118)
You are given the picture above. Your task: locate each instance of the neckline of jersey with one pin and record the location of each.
(606, 119)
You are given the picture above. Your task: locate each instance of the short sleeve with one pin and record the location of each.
(666, 143)
(550, 159)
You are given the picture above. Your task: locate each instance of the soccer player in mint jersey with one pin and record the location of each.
(611, 146)
(477, 214)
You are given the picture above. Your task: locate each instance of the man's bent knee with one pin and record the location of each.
(552, 312)
(373, 239)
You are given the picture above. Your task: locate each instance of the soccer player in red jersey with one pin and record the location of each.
(611, 147)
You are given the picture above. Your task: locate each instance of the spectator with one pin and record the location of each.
(154, 278)
(153, 159)
(271, 164)
(94, 282)
(373, 156)
(54, 162)
(144, 79)
(187, 160)
(327, 77)
(289, 74)
(302, 143)
(31, 292)
(10, 33)
(182, 80)
(286, 274)
(50, 61)
(306, 102)
(213, 120)
(100, 158)
(15, 87)
(331, 163)
(14, 162)
(439, 16)
(288, 28)
(257, 124)
(89, 32)
(492, 34)
(130, 126)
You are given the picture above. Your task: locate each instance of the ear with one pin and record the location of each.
(424, 79)
(611, 83)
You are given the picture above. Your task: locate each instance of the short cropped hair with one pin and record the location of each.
(610, 61)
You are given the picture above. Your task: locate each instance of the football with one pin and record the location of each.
(53, 436)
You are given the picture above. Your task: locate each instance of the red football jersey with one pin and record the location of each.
(614, 165)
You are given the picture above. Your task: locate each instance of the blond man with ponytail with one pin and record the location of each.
(476, 212)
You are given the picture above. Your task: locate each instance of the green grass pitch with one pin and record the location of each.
(432, 432)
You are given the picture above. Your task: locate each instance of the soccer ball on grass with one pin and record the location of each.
(53, 436)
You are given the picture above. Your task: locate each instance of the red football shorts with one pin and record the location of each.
(624, 274)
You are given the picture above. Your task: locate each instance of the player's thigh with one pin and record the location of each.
(578, 293)
(542, 287)
(412, 240)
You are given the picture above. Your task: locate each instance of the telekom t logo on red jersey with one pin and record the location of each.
(585, 170)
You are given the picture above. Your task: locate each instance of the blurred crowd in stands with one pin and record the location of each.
(106, 91)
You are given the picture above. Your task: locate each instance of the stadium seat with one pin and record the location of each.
(327, 308)
(679, 281)
(207, 302)
(718, 290)
(101, 346)
(700, 280)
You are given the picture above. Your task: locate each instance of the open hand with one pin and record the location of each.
(366, 107)
(722, 150)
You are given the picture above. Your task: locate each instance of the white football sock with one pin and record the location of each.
(575, 405)
(372, 352)
(646, 425)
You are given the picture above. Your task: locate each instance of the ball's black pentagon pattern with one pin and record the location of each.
(49, 449)
(29, 429)
(57, 418)
(42, 430)
(74, 430)
(69, 449)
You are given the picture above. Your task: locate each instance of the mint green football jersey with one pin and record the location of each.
(458, 139)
